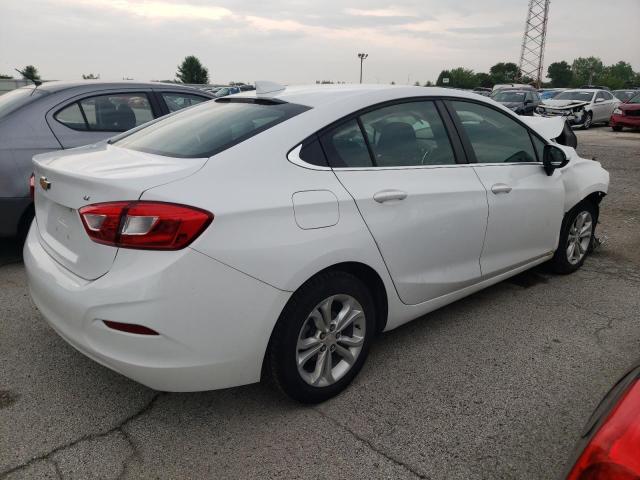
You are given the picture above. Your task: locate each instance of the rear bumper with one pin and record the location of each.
(11, 211)
(624, 121)
(213, 322)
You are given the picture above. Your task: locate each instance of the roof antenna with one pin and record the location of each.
(35, 81)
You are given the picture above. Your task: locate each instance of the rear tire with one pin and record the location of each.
(616, 128)
(322, 337)
(576, 238)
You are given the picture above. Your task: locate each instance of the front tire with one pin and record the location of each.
(322, 337)
(576, 238)
(616, 128)
(588, 121)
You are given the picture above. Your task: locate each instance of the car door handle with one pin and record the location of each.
(500, 188)
(388, 195)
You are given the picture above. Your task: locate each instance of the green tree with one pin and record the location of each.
(504, 72)
(484, 80)
(560, 74)
(416, 84)
(619, 75)
(428, 84)
(90, 76)
(30, 72)
(5, 77)
(587, 70)
(192, 71)
(459, 77)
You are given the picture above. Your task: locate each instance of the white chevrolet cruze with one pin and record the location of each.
(280, 231)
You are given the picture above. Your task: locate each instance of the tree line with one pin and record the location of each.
(582, 71)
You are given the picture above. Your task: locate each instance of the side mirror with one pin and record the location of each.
(599, 100)
(553, 157)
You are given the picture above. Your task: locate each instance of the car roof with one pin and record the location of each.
(323, 95)
(57, 86)
(592, 90)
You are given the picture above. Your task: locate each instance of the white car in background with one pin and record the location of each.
(580, 107)
(279, 231)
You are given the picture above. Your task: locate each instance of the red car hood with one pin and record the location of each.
(629, 106)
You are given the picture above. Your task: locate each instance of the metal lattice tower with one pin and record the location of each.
(535, 32)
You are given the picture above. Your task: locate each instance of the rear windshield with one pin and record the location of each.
(209, 128)
(13, 100)
(509, 97)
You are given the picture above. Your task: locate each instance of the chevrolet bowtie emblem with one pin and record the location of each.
(44, 183)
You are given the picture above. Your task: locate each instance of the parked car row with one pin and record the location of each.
(580, 107)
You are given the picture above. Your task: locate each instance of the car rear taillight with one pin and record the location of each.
(32, 186)
(144, 225)
(614, 450)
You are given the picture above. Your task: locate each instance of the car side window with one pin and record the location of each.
(600, 95)
(538, 144)
(607, 95)
(345, 146)
(116, 112)
(494, 136)
(408, 134)
(72, 117)
(529, 96)
(178, 101)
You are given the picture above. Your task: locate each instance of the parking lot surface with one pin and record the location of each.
(497, 385)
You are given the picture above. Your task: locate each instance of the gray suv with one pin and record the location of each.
(61, 115)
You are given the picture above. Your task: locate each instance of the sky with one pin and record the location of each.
(296, 41)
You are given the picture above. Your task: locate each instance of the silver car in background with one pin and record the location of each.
(62, 115)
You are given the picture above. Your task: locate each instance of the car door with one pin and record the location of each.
(601, 107)
(96, 116)
(526, 206)
(426, 212)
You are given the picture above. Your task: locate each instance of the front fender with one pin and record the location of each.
(581, 178)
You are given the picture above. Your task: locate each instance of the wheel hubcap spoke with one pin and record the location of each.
(579, 237)
(330, 340)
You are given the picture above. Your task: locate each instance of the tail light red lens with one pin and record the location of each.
(32, 186)
(144, 225)
(614, 451)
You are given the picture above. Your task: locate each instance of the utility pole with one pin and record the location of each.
(362, 56)
(535, 32)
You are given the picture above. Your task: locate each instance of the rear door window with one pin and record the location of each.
(117, 112)
(209, 128)
(178, 101)
(408, 134)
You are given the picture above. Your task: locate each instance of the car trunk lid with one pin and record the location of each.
(65, 182)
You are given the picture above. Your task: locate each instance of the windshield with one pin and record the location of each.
(209, 128)
(624, 94)
(509, 97)
(13, 100)
(635, 98)
(577, 95)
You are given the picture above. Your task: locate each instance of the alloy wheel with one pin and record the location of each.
(330, 340)
(579, 237)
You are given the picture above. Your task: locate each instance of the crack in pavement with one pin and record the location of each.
(92, 436)
(598, 330)
(135, 452)
(371, 446)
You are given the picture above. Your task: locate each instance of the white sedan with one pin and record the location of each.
(580, 107)
(279, 231)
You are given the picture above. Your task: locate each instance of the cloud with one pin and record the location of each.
(159, 9)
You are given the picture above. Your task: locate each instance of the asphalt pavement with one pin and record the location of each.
(497, 385)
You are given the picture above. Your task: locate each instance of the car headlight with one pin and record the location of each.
(617, 111)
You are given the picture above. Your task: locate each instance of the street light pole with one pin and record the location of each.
(362, 56)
